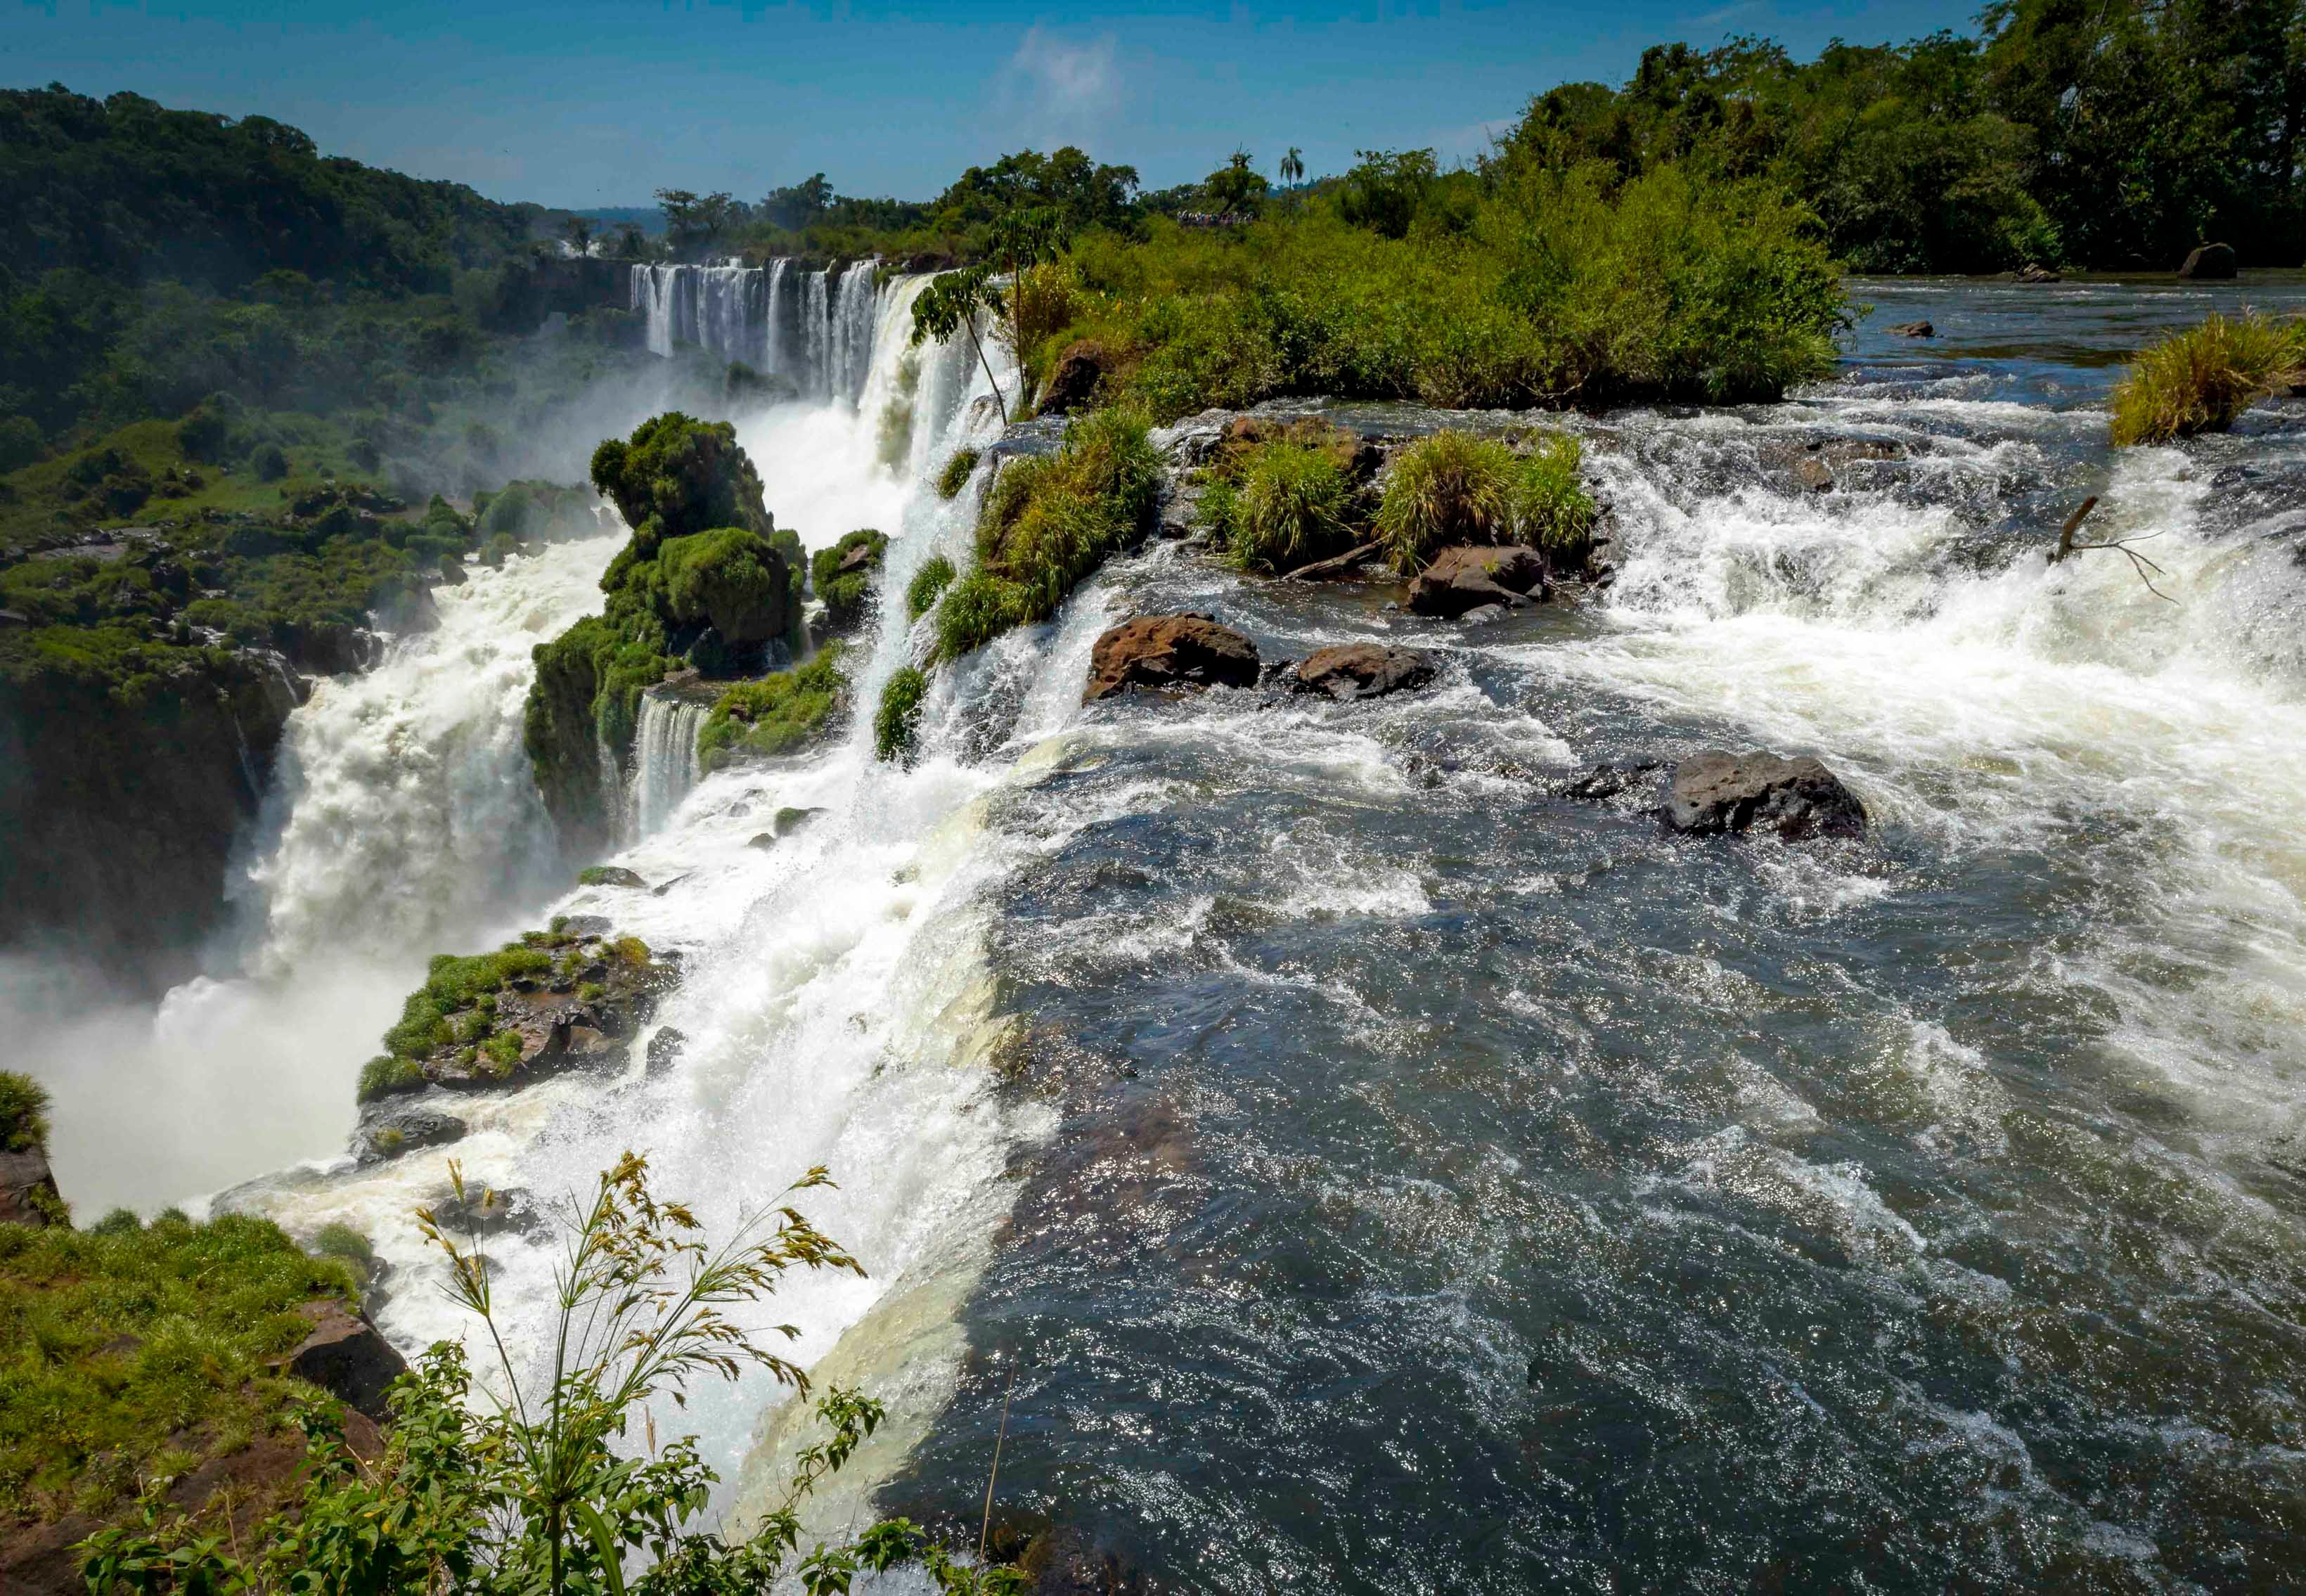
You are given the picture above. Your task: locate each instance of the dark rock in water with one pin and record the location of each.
(609, 875)
(1813, 474)
(665, 1048)
(2210, 261)
(1483, 615)
(404, 1130)
(28, 1190)
(1466, 577)
(1607, 784)
(1073, 386)
(1068, 1562)
(762, 840)
(343, 1355)
(1169, 654)
(1716, 792)
(789, 820)
(586, 924)
(2034, 274)
(487, 1211)
(1915, 329)
(1360, 670)
(452, 571)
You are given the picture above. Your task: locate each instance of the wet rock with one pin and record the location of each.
(586, 924)
(665, 1048)
(609, 875)
(2210, 261)
(486, 1211)
(343, 1355)
(1814, 474)
(789, 820)
(28, 1190)
(1465, 578)
(1175, 518)
(1914, 329)
(1066, 1561)
(1169, 654)
(404, 1130)
(1613, 783)
(763, 840)
(1360, 670)
(1718, 792)
(1073, 386)
(2034, 274)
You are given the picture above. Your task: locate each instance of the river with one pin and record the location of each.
(1398, 1177)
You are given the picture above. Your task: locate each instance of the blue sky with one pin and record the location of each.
(599, 102)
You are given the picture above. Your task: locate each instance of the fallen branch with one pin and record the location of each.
(1332, 566)
(2137, 562)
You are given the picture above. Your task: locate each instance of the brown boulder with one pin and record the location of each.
(346, 1356)
(1360, 670)
(1915, 329)
(1718, 792)
(28, 1190)
(1166, 653)
(1073, 386)
(1465, 578)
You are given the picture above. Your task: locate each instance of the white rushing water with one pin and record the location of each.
(813, 328)
(834, 1000)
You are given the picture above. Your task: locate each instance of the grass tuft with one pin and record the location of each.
(897, 725)
(955, 475)
(2199, 380)
(1455, 488)
(927, 585)
(1290, 506)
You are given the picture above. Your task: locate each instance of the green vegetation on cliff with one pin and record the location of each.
(701, 582)
(843, 576)
(23, 1113)
(131, 1349)
(775, 715)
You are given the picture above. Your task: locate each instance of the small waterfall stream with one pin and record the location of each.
(664, 762)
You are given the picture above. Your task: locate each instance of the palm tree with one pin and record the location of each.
(1293, 165)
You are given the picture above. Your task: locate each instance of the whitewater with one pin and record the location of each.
(1373, 1169)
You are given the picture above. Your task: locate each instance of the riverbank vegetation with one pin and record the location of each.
(544, 1489)
(2201, 379)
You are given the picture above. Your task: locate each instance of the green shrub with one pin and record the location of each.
(975, 609)
(775, 715)
(120, 1221)
(956, 472)
(732, 578)
(269, 464)
(2199, 380)
(1451, 488)
(928, 584)
(1291, 507)
(897, 725)
(23, 1113)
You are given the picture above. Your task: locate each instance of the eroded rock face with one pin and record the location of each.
(1462, 579)
(1168, 654)
(1718, 792)
(2210, 261)
(343, 1355)
(28, 1190)
(1360, 670)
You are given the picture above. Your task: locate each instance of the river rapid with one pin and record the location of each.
(1354, 1167)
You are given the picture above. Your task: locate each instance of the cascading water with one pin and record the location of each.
(665, 762)
(811, 328)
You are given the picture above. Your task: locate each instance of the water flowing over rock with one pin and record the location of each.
(1169, 654)
(815, 329)
(665, 760)
(1716, 792)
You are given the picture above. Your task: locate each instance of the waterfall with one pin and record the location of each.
(664, 762)
(806, 326)
(852, 330)
(776, 310)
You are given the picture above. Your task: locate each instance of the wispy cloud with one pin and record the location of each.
(1060, 85)
(1714, 19)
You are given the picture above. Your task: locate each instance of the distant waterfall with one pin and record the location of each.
(809, 327)
(664, 762)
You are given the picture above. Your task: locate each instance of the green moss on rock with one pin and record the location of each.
(776, 715)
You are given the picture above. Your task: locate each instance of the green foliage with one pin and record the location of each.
(127, 1344)
(21, 442)
(955, 474)
(775, 715)
(928, 583)
(2199, 380)
(23, 1113)
(728, 578)
(675, 476)
(543, 1491)
(1451, 488)
(267, 462)
(845, 592)
(1551, 508)
(341, 1241)
(1291, 506)
(896, 725)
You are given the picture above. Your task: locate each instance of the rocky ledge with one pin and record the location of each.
(555, 999)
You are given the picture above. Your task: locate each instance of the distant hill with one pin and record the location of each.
(127, 190)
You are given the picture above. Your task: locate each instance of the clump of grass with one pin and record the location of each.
(1550, 504)
(1291, 506)
(957, 470)
(340, 1240)
(1451, 488)
(1050, 521)
(898, 723)
(774, 714)
(128, 1342)
(23, 1113)
(2199, 380)
(927, 585)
